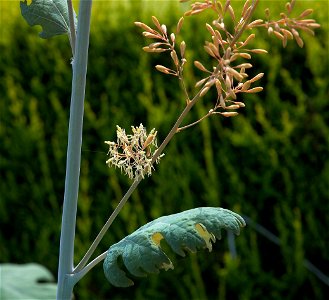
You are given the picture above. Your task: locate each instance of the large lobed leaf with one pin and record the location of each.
(52, 15)
(28, 281)
(186, 231)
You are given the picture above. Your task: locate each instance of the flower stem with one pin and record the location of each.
(106, 226)
(66, 252)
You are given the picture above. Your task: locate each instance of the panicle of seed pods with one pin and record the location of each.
(165, 42)
(132, 153)
(228, 75)
(230, 55)
(215, 5)
(287, 27)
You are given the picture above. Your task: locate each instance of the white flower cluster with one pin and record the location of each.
(133, 153)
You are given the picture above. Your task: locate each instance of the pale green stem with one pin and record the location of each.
(66, 253)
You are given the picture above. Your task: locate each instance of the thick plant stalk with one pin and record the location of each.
(66, 255)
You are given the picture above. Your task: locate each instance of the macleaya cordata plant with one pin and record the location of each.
(135, 154)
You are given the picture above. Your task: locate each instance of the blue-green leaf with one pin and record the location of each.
(52, 15)
(186, 231)
(28, 281)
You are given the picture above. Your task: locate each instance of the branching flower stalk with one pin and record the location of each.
(135, 154)
(228, 78)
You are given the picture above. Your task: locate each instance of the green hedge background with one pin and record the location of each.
(270, 163)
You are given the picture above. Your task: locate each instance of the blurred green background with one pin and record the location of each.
(270, 163)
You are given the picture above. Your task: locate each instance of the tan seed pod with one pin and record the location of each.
(247, 14)
(227, 3)
(174, 57)
(231, 12)
(214, 49)
(258, 51)
(228, 53)
(305, 13)
(204, 91)
(154, 45)
(201, 82)
(163, 69)
(245, 65)
(149, 140)
(156, 23)
(143, 26)
(246, 86)
(182, 48)
(307, 30)
(256, 22)
(179, 25)
(299, 41)
(200, 66)
(292, 3)
(257, 77)
(210, 29)
(151, 35)
(267, 12)
(164, 29)
(228, 82)
(234, 57)
(194, 12)
(245, 8)
(219, 36)
(210, 83)
(249, 38)
(254, 90)
(283, 16)
(308, 21)
(229, 114)
(288, 7)
(209, 51)
(216, 41)
(154, 50)
(287, 33)
(240, 104)
(245, 55)
(313, 25)
(235, 74)
(284, 41)
(270, 30)
(172, 37)
(278, 35)
(218, 86)
(233, 106)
